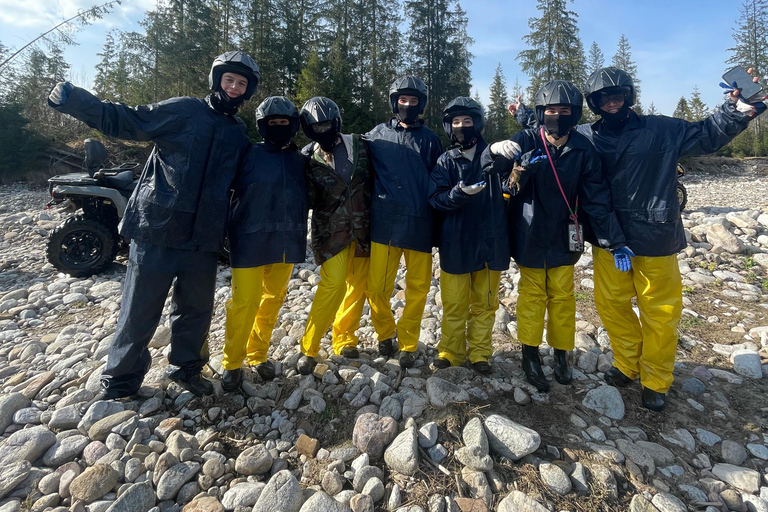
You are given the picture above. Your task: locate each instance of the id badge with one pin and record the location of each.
(575, 240)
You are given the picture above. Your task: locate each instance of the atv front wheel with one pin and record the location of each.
(682, 196)
(81, 247)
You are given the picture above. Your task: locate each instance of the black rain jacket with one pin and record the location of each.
(538, 214)
(403, 159)
(268, 222)
(182, 199)
(473, 230)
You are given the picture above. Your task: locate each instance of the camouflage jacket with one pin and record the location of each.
(340, 210)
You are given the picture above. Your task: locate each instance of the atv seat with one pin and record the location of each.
(122, 181)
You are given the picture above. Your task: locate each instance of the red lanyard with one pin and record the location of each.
(573, 213)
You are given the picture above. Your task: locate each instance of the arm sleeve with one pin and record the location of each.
(444, 196)
(526, 116)
(141, 123)
(595, 199)
(714, 132)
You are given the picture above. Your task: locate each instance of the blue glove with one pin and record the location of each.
(60, 93)
(728, 89)
(533, 161)
(622, 257)
(751, 109)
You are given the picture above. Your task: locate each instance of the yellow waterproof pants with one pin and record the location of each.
(470, 302)
(646, 347)
(257, 294)
(385, 260)
(336, 276)
(547, 290)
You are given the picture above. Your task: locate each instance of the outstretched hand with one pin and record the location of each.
(514, 107)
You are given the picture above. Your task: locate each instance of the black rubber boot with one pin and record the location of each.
(441, 363)
(197, 385)
(407, 359)
(387, 347)
(231, 379)
(306, 365)
(563, 372)
(654, 400)
(615, 378)
(483, 367)
(266, 370)
(350, 352)
(532, 368)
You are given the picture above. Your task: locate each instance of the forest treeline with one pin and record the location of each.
(348, 50)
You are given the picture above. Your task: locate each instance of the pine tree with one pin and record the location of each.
(496, 120)
(682, 111)
(652, 110)
(623, 60)
(310, 81)
(697, 107)
(555, 50)
(596, 59)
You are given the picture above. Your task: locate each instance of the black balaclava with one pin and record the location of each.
(221, 101)
(558, 125)
(326, 139)
(279, 134)
(617, 120)
(464, 135)
(408, 114)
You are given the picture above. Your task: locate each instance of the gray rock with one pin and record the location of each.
(517, 501)
(102, 428)
(555, 478)
(755, 503)
(244, 494)
(603, 477)
(442, 392)
(93, 483)
(747, 363)
(9, 404)
(588, 362)
(65, 450)
(361, 503)
(332, 483)
(254, 460)
(758, 450)
(693, 493)
(174, 478)
(605, 400)
(390, 406)
(375, 489)
(474, 435)
(661, 455)
(403, 454)
(694, 386)
(321, 502)
(364, 474)
(579, 478)
(474, 458)
(707, 437)
(637, 455)
(136, 498)
(741, 478)
(428, 435)
(282, 492)
(437, 452)
(27, 444)
(666, 502)
(509, 439)
(98, 411)
(640, 504)
(12, 474)
(733, 452)
(372, 434)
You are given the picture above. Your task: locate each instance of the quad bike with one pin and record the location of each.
(87, 242)
(682, 194)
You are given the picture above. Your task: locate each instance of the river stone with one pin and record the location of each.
(12, 474)
(637, 454)
(9, 404)
(428, 435)
(93, 483)
(254, 460)
(136, 498)
(733, 452)
(364, 474)
(65, 450)
(666, 502)
(101, 429)
(747, 363)
(605, 400)
(442, 392)
(244, 494)
(174, 478)
(204, 504)
(517, 501)
(98, 411)
(509, 439)
(555, 478)
(741, 478)
(27, 444)
(321, 502)
(403, 455)
(373, 433)
(282, 492)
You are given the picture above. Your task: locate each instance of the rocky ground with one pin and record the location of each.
(364, 434)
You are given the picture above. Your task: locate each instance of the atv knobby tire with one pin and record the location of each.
(81, 247)
(682, 196)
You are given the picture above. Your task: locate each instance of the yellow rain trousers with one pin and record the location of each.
(547, 290)
(341, 272)
(646, 347)
(385, 260)
(257, 294)
(470, 302)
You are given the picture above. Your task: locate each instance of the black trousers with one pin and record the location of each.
(152, 271)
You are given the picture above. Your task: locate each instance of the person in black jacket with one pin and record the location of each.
(559, 177)
(267, 235)
(175, 218)
(403, 152)
(473, 239)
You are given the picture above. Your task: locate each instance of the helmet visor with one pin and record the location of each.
(611, 95)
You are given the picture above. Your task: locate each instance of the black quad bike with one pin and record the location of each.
(87, 242)
(682, 194)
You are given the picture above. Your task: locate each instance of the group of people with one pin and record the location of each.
(393, 194)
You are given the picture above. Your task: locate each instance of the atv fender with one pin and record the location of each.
(108, 193)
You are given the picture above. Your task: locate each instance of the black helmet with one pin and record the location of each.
(276, 106)
(609, 78)
(463, 106)
(235, 62)
(412, 86)
(318, 110)
(559, 92)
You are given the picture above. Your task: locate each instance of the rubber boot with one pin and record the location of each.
(654, 400)
(615, 378)
(532, 368)
(563, 372)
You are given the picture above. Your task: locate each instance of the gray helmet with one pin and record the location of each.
(235, 62)
(412, 86)
(276, 106)
(464, 106)
(318, 110)
(559, 92)
(611, 80)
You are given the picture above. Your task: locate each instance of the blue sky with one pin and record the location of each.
(677, 44)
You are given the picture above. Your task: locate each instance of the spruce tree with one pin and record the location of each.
(652, 110)
(496, 119)
(697, 107)
(596, 59)
(623, 60)
(682, 111)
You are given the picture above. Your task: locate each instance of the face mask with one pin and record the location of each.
(408, 114)
(279, 135)
(325, 139)
(619, 118)
(464, 135)
(558, 125)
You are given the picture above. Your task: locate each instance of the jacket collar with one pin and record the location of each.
(633, 123)
(455, 152)
(395, 125)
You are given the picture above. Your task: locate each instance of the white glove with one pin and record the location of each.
(471, 190)
(507, 148)
(60, 93)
